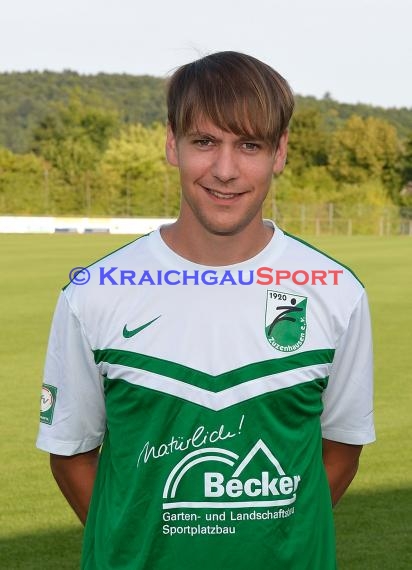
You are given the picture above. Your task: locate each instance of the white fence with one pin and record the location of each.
(314, 224)
(51, 225)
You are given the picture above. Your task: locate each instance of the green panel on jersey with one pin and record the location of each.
(183, 487)
(208, 381)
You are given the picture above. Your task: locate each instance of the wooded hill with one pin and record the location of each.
(94, 145)
(25, 100)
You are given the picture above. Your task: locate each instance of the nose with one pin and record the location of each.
(225, 166)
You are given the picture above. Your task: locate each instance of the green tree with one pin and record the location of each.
(136, 175)
(72, 138)
(407, 161)
(31, 186)
(308, 141)
(23, 184)
(365, 149)
(405, 196)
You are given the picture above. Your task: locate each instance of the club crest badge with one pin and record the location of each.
(285, 324)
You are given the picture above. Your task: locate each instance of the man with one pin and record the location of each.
(217, 360)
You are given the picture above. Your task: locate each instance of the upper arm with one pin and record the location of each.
(76, 424)
(75, 475)
(348, 398)
(74, 463)
(337, 453)
(341, 461)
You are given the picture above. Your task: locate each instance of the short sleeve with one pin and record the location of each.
(72, 410)
(348, 398)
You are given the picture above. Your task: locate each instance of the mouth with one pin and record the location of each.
(222, 195)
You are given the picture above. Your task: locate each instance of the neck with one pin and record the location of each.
(216, 250)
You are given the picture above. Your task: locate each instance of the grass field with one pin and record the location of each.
(38, 530)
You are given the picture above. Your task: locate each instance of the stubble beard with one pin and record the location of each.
(224, 228)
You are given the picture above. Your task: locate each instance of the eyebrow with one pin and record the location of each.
(200, 134)
(240, 138)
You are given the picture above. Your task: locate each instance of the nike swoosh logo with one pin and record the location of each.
(129, 334)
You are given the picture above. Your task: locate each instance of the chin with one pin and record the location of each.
(223, 224)
(224, 228)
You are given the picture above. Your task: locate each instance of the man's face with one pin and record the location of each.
(224, 177)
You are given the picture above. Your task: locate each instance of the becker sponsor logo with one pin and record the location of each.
(265, 486)
(219, 478)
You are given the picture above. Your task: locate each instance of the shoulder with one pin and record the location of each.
(332, 289)
(96, 285)
(315, 259)
(119, 256)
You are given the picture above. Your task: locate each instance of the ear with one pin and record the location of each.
(281, 153)
(171, 147)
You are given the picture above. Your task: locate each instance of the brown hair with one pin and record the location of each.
(236, 92)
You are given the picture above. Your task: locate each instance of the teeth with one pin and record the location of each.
(223, 196)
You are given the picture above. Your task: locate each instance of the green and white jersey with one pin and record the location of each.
(211, 397)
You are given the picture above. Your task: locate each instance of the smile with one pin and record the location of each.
(221, 195)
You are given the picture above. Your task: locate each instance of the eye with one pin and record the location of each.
(203, 143)
(251, 146)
